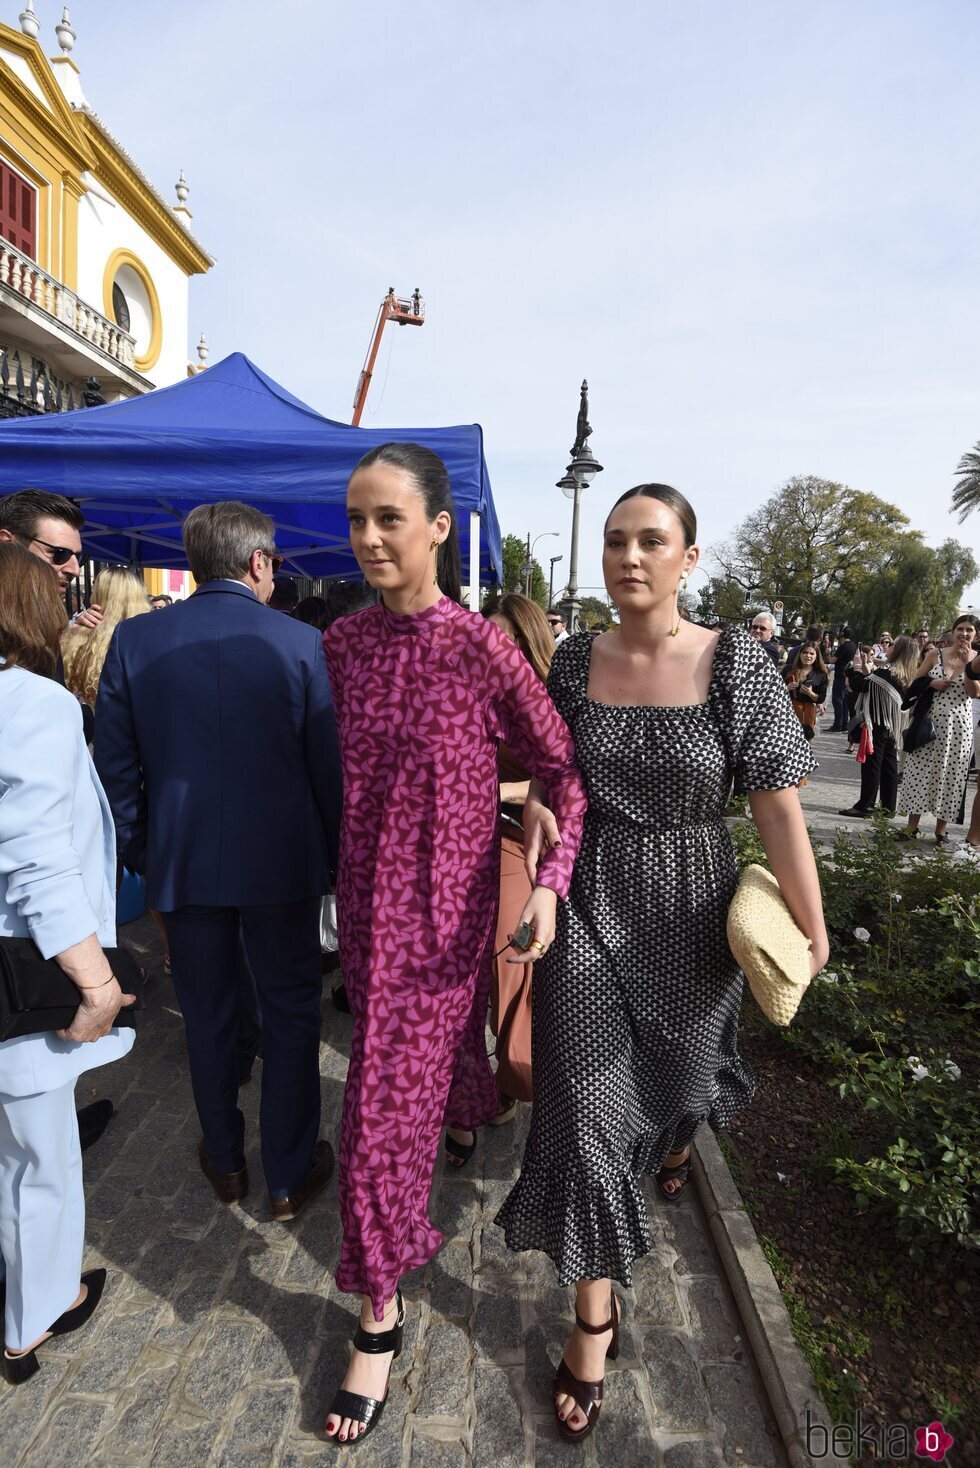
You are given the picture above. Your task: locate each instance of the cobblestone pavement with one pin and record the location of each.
(222, 1335)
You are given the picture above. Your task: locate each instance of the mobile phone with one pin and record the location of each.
(522, 937)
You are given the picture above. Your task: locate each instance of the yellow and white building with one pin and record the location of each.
(95, 265)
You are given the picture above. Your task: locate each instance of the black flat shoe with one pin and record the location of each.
(856, 810)
(680, 1174)
(459, 1150)
(17, 1369)
(92, 1122)
(366, 1411)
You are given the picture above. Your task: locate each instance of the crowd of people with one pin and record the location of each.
(489, 796)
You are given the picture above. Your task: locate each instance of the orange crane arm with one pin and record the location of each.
(406, 313)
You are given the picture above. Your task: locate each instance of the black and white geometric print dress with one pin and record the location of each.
(636, 1003)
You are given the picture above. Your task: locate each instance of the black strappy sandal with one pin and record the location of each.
(366, 1411)
(459, 1150)
(587, 1395)
(667, 1174)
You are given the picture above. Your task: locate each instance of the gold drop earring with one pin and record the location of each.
(435, 567)
(681, 591)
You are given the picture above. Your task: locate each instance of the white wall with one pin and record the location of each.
(104, 228)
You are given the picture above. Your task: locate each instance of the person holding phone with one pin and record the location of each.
(424, 690)
(635, 1038)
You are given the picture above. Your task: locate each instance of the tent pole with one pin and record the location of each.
(474, 560)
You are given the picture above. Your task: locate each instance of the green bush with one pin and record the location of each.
(892, 1023)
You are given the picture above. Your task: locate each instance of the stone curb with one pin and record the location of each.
(786, 1376)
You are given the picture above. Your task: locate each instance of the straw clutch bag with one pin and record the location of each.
(768, 946)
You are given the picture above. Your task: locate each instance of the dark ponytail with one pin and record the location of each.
(431, 480)
(670, 497)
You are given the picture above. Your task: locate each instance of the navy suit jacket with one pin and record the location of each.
(216, 743)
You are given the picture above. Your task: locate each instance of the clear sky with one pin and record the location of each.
(753, 228)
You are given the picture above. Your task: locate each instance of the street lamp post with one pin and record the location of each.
(551, 581)
(580, 473)
(528, 566)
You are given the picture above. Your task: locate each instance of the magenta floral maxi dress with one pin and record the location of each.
(421, 702)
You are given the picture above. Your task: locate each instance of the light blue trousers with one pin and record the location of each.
(42, 1211)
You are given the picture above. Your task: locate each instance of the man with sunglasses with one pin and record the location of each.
(218, 751)
(556, 621)
(49, 526)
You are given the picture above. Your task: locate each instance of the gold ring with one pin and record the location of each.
(536, 943)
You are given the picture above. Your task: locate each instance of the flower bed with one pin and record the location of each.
(860, 1159)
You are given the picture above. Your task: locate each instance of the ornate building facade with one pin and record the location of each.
(94, 263)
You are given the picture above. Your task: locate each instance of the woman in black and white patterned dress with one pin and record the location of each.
(636, 1003)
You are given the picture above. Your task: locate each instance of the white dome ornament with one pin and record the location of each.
(202, 352)
(29, 22)
(63, 30)
(181, 188)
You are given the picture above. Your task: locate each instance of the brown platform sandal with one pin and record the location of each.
(587, 1394)
(679, 1174)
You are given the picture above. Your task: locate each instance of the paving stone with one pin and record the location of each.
(679, 1396)
(655, 1289)
(21, 1409)
(325, 1372)
(497, 1330)
(700, 1453)
(186, 1444)
(686, 1232)
(445, 1380)
(624, 1427)
(457, 1209)
(746, 1437)
(72, 1424)
(163, 1266)
(263, 1425)
(188, 1312)
(552, 1451)
(135, 1431)
(289, 1321)
(427, 1452)
(452, 1282)
(222, 1367)
(498, 1431)
(714, 1321)
(119, 1345)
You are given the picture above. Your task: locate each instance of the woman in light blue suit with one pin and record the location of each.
(57, 886)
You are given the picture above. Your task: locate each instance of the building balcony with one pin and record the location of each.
(44, 319)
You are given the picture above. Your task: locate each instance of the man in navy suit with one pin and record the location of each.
(218, 750)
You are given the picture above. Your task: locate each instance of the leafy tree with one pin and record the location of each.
(514, 556)
(966, 491)
(719, 600)
(811, 545)
(919, 586)
(594, 610)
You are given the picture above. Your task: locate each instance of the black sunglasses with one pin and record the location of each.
(275, 558)
(60, 554)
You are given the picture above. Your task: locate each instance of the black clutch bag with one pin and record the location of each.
(36, 995)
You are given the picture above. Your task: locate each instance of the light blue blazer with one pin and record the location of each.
(57, 862)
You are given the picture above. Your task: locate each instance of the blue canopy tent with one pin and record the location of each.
(137, 467)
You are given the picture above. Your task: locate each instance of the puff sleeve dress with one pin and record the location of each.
(636, 1003)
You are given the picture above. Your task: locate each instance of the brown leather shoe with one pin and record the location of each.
(229, 1186)
(286, 1208)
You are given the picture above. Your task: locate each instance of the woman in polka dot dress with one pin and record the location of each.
(423, 692)
(636, 1004)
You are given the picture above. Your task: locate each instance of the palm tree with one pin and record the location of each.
(966, 492)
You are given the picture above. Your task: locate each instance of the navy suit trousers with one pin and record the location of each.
(283, 948)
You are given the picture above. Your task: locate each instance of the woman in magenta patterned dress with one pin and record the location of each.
(423, 691)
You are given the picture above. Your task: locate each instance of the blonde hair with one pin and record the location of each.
(121, 595)
(904, 660)
(533, 635)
